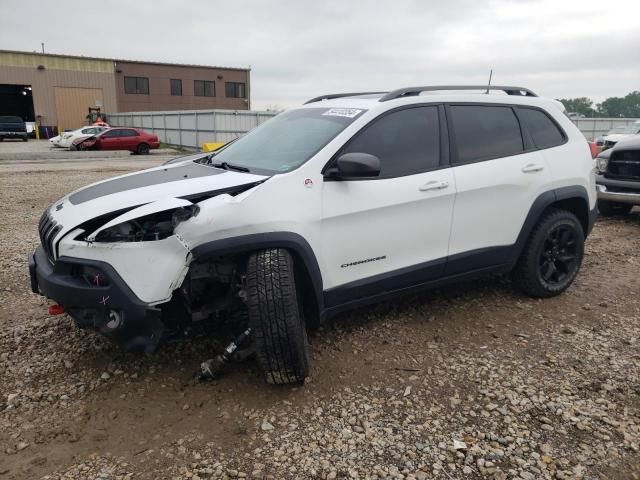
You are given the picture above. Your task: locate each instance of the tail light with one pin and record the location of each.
(594, 149)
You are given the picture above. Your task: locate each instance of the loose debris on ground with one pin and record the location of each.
(471, 381)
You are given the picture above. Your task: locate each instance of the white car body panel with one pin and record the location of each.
(492, 198)
(571, 164)
(391, 218)
(153, 270)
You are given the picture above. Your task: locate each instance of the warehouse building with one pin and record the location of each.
(60, 91)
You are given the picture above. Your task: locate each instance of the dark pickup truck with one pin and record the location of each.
(618, 177)
(13, 127)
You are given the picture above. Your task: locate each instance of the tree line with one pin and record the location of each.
(627, 106)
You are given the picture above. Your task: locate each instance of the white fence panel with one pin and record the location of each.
(192, 128)
(596, 127)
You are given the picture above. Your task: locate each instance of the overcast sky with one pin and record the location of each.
(298, 49)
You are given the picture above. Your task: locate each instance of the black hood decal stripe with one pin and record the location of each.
(233, 191)
(144, 179)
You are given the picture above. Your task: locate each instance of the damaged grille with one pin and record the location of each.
(48, 229)
(624, 165)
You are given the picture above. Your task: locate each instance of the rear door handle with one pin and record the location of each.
(433, 185)
(532, 168)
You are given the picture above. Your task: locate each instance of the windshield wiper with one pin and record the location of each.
(230, 166)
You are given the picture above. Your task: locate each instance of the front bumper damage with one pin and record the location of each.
(147, 295)
(127, 292)
(110, 307)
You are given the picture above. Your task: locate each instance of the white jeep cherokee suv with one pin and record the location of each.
(347, 200)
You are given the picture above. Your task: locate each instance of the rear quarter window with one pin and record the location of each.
(543, 130)
(483, 132)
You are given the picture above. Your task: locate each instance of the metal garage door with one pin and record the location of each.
(72, 105)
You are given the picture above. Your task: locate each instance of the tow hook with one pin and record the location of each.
(214, 367)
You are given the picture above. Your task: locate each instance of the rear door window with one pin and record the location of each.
(112, 134)
(544, 131)
(483, 132)
(406, 141)
(129, 133)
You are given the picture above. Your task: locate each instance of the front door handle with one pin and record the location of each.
(433, 185)
(532, 168)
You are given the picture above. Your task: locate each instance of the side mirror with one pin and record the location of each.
(355, 165)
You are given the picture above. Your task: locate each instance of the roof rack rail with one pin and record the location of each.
(413, 91)
(339, 95)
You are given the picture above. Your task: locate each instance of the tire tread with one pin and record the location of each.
(274, 317)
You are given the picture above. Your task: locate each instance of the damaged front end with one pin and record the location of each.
(129, 274)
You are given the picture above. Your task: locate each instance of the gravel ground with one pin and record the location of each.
(471, 381)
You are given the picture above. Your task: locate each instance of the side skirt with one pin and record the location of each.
(433, 274)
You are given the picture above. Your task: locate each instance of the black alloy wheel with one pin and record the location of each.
(559, 256)
(552, 256)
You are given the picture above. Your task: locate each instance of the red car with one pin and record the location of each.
(133, 139)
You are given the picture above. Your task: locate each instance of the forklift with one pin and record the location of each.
(96, 117)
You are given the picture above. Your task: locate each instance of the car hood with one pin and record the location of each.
(616, 137)
(630, 142)
(81, 138)
(190, 181)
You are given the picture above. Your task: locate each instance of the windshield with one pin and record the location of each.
(288, 140)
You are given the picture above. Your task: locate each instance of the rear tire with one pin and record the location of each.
(143, 149)
(275, 317)
(552, 257)
(608, 208)
(25, 139)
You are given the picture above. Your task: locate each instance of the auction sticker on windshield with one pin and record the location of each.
(343, 112)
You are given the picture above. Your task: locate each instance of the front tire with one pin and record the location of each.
(608, 208)
(143, 149)
(552, 257)
(275, 317)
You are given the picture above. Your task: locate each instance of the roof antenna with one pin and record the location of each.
(489, 84)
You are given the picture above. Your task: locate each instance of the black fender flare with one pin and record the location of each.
(544, 201)
(293, 242)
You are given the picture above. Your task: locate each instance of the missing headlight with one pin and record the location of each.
(156, 226)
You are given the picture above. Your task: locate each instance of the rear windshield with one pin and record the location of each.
(288, 140)
(11, 120)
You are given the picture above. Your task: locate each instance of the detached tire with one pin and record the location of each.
(608, 208)
(275, 317)
(552, 257)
